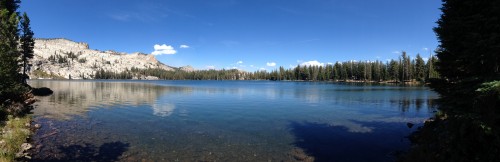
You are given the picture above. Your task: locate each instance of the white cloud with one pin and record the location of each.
(239, 62)
(312, 63)
(251, 65)
(183, 46)
(425, 49)
(425, 59)
(396, 52)
(330, 63)
(163, 50)
(272, 64)
(262, 69)
(210, 67)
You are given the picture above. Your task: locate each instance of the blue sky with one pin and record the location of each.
(245, 34)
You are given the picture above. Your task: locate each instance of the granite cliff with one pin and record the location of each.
(62, 58)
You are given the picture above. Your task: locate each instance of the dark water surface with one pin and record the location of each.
(225, 120)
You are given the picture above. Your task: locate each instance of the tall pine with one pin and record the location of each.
(27, 43)
(468, 127)
(9, 54)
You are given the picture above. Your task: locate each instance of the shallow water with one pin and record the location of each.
(226, 120)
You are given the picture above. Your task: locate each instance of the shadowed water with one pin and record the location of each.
(225, 120)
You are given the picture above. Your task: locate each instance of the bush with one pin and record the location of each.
(82, 60)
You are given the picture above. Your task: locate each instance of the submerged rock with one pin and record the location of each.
(410, 125)
(43, 91)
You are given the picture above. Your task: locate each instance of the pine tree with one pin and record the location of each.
(468, 128)
(469, 50)
(420, 68)
(11, 82)
(393, 70)
(27, 43)
(9, 54)
(10, 5)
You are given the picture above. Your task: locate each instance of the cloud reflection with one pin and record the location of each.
(163, 109)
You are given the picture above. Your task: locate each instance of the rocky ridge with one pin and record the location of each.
(63, 58)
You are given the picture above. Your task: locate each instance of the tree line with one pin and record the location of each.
(404, 69)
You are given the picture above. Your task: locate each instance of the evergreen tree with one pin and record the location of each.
(27, 43)
(12, 87)
(9, 54)
(420, 68)
(10, 5)
(468, 128)
(469, 50)
(393, 70)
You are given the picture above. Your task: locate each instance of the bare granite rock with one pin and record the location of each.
(63, 58)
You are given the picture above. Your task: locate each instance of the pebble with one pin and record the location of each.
(26, 146)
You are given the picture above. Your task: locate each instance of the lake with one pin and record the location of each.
(124, 120)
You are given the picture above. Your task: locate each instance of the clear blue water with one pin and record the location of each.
(226, 120)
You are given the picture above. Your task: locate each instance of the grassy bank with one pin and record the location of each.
(15, 132)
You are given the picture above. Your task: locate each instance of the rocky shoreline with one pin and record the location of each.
(15, 141)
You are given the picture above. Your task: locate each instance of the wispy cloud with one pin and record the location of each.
(425, 49)
(183, 46)
(144, 12)
(262, 69)
(396, 52)
(271, 64)
(163, 50)
(239, 62)
(312, 63)
(137, 16)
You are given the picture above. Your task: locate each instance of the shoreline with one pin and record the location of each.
(17, 127)
(331, 81)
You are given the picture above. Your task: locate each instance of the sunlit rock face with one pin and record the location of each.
(69, 59)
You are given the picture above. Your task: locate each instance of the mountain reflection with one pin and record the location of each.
(77, 97)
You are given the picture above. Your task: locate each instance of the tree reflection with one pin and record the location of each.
(325, 142)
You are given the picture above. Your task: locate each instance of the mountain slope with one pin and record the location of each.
(63, 58)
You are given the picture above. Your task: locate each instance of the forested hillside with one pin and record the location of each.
(405, 69)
